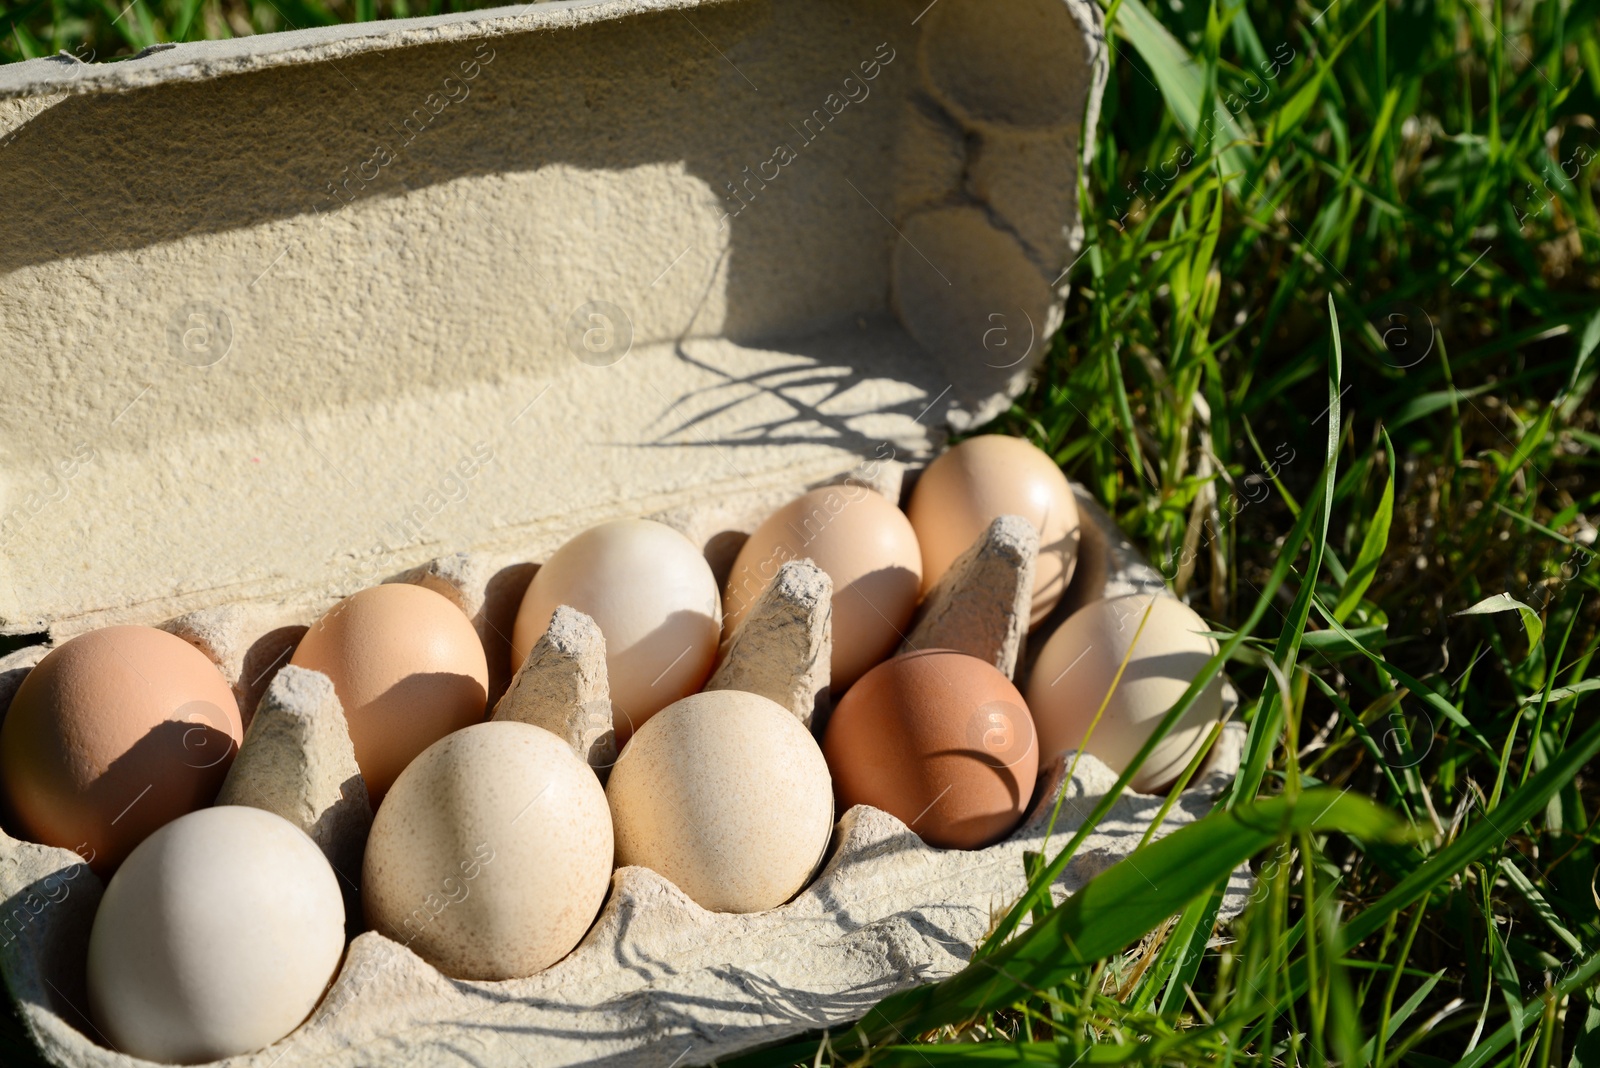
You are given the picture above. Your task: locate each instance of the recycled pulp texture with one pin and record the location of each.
(781, 650)
(983, 603)
(298, 762)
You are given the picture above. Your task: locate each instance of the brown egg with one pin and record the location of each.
(940, 739)
(408, 669)
(978, 481)
(114, 734)
(866, 546)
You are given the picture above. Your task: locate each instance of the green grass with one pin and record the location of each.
(1379, 214)
(100, 30)
(1329, 358)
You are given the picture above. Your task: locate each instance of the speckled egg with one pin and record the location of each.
(113, 734)
(216, 937)
(981, 479)
(654, 598)
(1075, 670)
(491, 855)
(408, 669)
(939, 739)
(866, 546)
(726, 794)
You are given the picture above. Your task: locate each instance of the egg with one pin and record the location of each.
(216, 937)
(939, 739)
(491, 856)
(113, 734)
(975, 483)
(1076, 667)
(866, 546)
(654, 598)
(726, 794)
(408, 668)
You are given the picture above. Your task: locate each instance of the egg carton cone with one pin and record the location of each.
(658, 981)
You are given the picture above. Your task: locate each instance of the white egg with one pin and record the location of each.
(655, 600)
(1075, 670)
(217, 936)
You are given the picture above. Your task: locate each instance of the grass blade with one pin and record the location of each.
(1264, 730)
(1418, 688)
(1504, 602)
(1529, 1011)
(1120, 906)
(1401, 1015)
(1182, 84)
(1372, 546)
(1586, 1050)
(1038, 891)
(1539, 904)
(1478, 841)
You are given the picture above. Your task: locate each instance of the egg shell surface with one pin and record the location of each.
(726, 794)
(491, 856)
(866, 546)
(112, 735)
(408, 669)
(655, 600)
(217, 936)
(1075, 670)
(977, 481)
(939, 739)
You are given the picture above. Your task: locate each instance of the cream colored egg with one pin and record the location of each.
(217, 936)
(866, 546)
(655, 600)
(975, 483)
(728, 796)
(1075, 670)
(491, 855)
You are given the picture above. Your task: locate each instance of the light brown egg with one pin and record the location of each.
(1075, 670)
(114, 734)
(492, 854)
(408, 669)
(726, 794)
(866, 546)
(654, 598)
(940, 739)
(975, 483)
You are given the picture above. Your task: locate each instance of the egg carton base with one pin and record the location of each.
(658, 980)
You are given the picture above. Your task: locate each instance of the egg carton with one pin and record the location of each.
(658, 981)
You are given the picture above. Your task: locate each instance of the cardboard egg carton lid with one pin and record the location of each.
(289, 313)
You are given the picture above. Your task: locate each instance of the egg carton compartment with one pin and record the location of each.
(658, 980)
